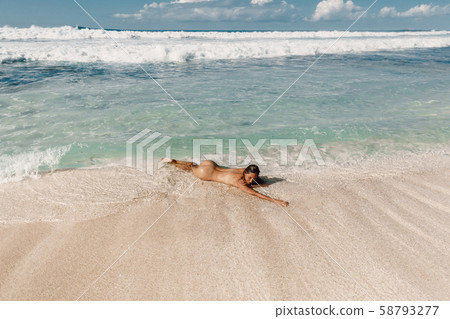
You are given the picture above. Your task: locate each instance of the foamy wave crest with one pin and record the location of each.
(17, 167)
(72, 33)
(85, 45)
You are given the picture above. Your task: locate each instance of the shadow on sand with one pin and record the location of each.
(272, 180)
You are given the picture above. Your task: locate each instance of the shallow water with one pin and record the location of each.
(69, 98)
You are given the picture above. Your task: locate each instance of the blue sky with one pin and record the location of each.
(230, 14)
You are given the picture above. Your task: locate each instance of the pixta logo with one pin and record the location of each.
(141, 150)
(146, 143)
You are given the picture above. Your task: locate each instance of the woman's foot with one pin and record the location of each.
(167, 160)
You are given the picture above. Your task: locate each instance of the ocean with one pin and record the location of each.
(72, 97)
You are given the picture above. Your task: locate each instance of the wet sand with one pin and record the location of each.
(348, 234)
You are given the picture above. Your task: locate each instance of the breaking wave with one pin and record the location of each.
(28, 164)
(71, 44)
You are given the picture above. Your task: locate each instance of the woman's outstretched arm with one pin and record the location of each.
(248, 190)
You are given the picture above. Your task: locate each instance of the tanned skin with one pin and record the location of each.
(210, 171)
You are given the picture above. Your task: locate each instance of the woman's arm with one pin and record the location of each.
(250, 191)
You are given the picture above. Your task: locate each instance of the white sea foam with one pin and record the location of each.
(84, 45)
(27, 164)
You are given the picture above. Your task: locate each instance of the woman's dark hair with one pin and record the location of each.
(252, 169)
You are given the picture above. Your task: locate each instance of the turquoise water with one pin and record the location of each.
(74, 114)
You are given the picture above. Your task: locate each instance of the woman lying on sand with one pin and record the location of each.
(243, 178)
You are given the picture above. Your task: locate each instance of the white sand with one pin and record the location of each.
(388, 231)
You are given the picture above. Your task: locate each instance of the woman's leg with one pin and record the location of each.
(187, 166)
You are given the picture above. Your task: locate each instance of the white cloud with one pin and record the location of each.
(260, 2)
(335, 9)
(140, 15)
(215, 14)
(421, 10)
(387, 12)
(210, 10)
(190, 1)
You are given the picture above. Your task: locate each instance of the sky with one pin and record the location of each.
(230, 14)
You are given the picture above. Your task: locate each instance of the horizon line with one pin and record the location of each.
(79, 27)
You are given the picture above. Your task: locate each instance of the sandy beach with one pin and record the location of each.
(348, 234)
